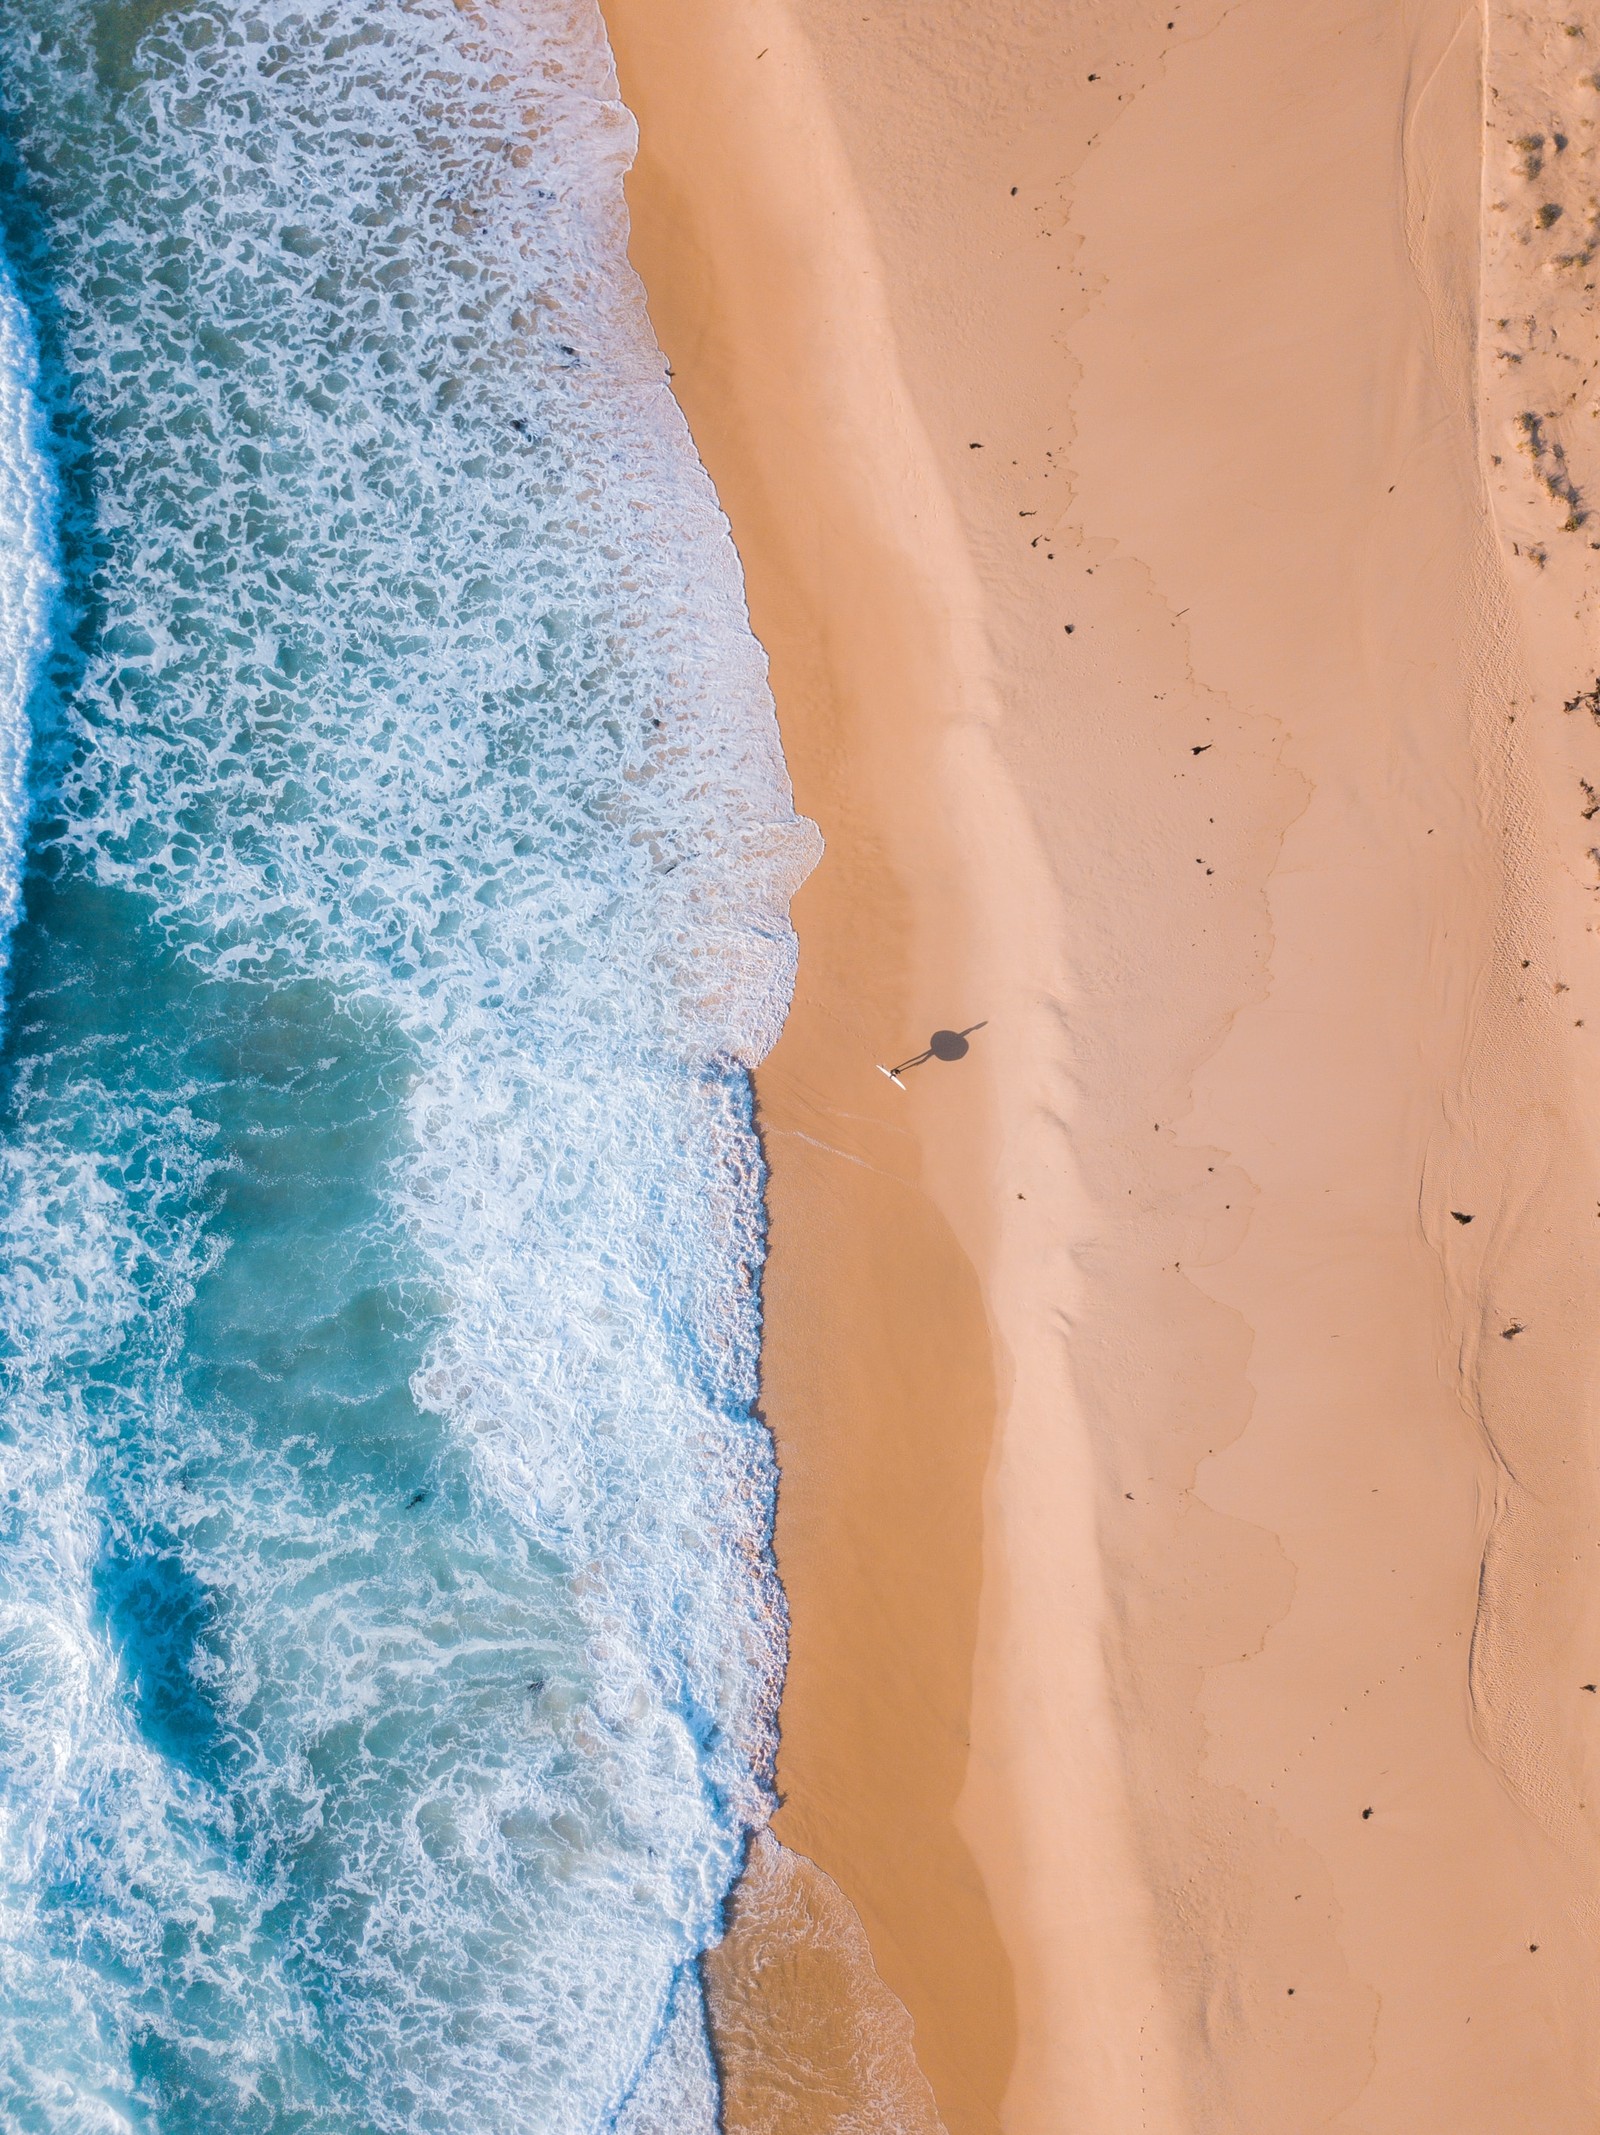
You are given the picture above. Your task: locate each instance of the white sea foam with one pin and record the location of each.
(390, 1672)
(677, 2094)
(28, 582)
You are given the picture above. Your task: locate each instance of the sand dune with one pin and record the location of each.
(1164, 450)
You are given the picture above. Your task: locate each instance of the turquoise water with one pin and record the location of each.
(389, 1642)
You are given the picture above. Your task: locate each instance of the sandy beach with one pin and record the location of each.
(1160, 450)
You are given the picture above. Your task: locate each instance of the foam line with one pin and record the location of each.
(29, 582)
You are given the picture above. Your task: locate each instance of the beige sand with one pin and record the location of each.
(1189, 1520)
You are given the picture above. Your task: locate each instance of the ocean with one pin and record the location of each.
(395, 856)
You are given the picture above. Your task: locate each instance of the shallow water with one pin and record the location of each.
(388, 1637)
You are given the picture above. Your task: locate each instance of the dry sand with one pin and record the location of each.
(1184, 1400)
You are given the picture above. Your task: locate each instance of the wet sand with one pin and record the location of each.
(1184, 1399)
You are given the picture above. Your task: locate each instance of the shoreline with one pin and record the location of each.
(885, 1236)
(1179, 1549)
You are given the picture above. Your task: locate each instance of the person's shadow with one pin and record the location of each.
(943, 1045)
